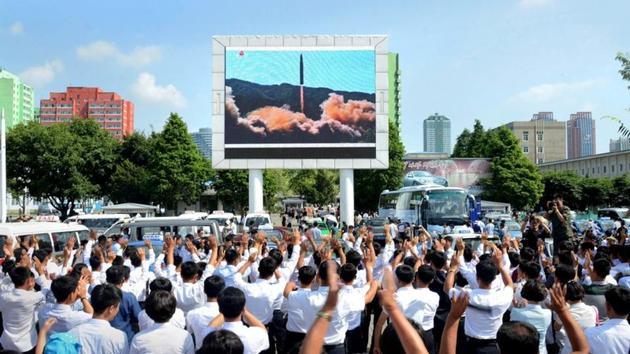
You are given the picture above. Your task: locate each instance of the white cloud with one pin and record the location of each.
(103, 50)
(16, 28)
(146, 89)
(534, 3)
(549, 92)
(38, 76)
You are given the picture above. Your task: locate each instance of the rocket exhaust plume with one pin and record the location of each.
(301, 83)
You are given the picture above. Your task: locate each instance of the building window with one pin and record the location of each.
(593, 170)
(612, 168)
(525, 149)
(539, 136)
(525, 136)
(620, 167)
(541, 160)
(582, 172)
(540, 149)
(604, 169)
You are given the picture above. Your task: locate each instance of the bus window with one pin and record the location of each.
(388, 201)
(61, 238)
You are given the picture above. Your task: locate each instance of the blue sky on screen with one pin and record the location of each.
(492, 60)
(339, 70)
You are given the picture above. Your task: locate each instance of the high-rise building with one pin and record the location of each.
(108, 109)
(580, 135)
(546, 116)
(437, 134)
(203, 140)
(16, 99)
(619, 144)
(393, 102)
(542, 139)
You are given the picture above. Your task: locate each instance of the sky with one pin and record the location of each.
(344, 70)
(496, 61)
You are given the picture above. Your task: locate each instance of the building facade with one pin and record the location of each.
(108, 109)
(203, 140)
(437, 134)
(393, 99)
(620, 144)
(580, 135)
(609, 164)
(16, 98)
(541, 140)
(547, 116)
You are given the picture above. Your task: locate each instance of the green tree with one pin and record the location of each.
(471, 144)
(178, 170)
(62, 163)
(595, 192)
(131, 180)
(317, 186)
(514, 179)
(567, 184)
(368, 184)
(232, 188)
(625, 75)
(620, 194)
(275, 184)
(462, 145)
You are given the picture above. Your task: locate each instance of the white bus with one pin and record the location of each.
(97, 222)
(437, 204)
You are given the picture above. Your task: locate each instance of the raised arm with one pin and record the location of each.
(498, 260)
(573, 329)
(452, 270)
(448, 344)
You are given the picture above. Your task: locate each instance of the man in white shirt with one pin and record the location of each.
(97, 335)
(197, 320)
(162, 337)
(348, 237)
(87, 251)
(67, 290)
(177, 320)
(297, 305)
(233, 312)
(230, 269)
(356, 342)
(189, 294)
(484, 314)
(613, 336)
(19, 311)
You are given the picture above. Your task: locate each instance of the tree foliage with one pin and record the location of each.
(318, 187)
(625, 75)
(368, 184)
(232, 188)
(584, 193)
(131, 181)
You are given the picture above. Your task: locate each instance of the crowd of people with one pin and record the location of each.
(346, 293)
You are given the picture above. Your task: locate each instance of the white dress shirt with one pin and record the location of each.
(612, 337)
(255, 339)
(189, 296)
(297, 305)
(197, 321)
(98, 336)
(538, 317)
(585, 315)
(177, 320)
(485, 310)
(619, 268)
(356, 307)
(87, 252)
(162, 338)
(67, 318)
(19, 314)
(418, 304)
(261, 296)
(227, 272)
(315, 300)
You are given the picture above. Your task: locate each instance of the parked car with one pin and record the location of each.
(50, 235)
(257, 220)
(418, 178)
(614, 214)
(377, 226)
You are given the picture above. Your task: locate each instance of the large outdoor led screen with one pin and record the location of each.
(297, 103)
(311, 105)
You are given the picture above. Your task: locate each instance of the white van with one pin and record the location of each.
(260, 220)
(50, 235)
(222, 218)
(97, 222)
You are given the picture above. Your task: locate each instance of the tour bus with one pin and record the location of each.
(50, 235)
(97, 222)
(437, 204)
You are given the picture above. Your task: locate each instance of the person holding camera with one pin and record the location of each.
(560, 217)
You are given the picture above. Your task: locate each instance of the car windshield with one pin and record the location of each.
(513, 226)
(420, 174)
(376, 222)
(257, 220)
(98, 223)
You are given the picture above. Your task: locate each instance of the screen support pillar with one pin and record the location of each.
(256, 191)
(346, 196)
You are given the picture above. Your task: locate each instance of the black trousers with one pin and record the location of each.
(429, 341)
(278, 329)
(335, 349)
(482, 346)
(355, 341)
(294, 342)
(272, 343)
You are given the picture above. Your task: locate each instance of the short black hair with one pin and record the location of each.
(118, 261)
(160, 306)
(8, 265)
(115, 274)
(566, 257)
(410, 261)
(213, 285)
(62, 287)
(619, 299)
(348, 272)
(323, 271)
(468, 253)
(222, 341)
(530, 269)
(534, 290)
(266, 267)
(104, 296)
(404, 273)
(602, 267)
(486, 271)
(40, 254)
(135, 259)
(231, 302)
(518, 338)
(77, 269)
(390, 340)
(277, 256)
(306, 274)
(231, 255)
(564, 273)
(160, 283)
(515, 258)
(527, 254)
(20, 275)
(448, 238)
(575, 291)
(425, 274)
(438, 259)
(189, 270)
(354, 257)
(95, 263)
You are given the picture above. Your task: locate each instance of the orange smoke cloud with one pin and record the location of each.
(352, 113)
